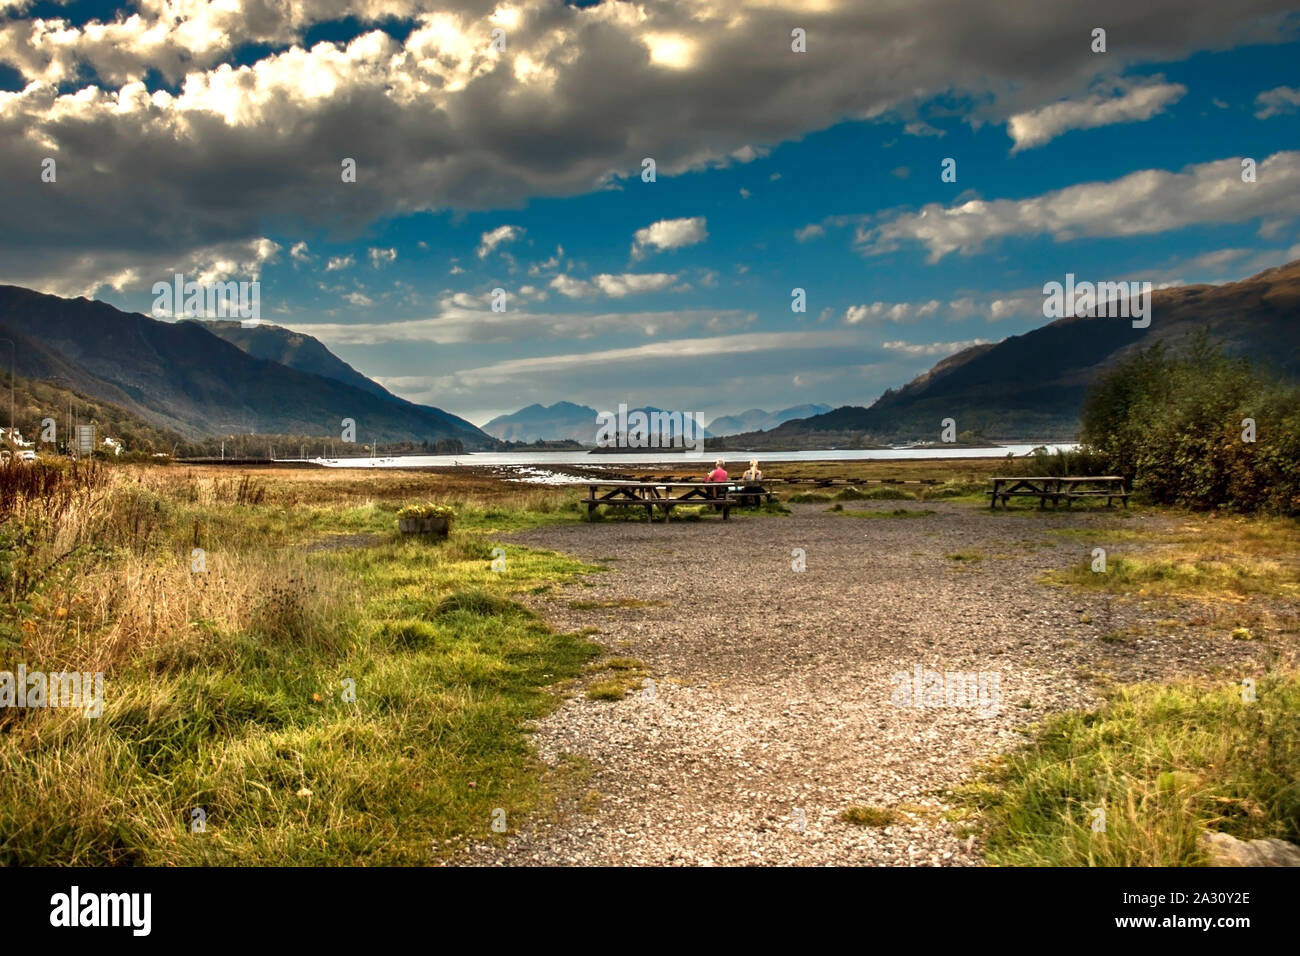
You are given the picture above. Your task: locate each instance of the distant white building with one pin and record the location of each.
(113, 445)
(15, 436)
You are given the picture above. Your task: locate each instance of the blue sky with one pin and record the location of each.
(776, 170)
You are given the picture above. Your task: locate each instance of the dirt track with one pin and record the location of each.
(772, 708)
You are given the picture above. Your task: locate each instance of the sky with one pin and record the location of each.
(211, 138)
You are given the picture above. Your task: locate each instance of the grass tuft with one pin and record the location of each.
(1164, 762)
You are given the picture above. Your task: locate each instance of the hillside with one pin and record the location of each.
(294, 349)
(1031, 386)
(181, 376)
(34, 401)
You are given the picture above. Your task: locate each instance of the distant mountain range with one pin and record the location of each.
(200, 379)
(1031, 386)
(565, 420)
(757, 420)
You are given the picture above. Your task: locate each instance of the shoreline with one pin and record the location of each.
(552, 459)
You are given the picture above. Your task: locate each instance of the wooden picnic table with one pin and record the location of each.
(1046, 487)
(664, 495)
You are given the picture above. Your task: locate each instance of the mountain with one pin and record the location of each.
(757, 420)
(294, 349)
(181, 376)
(546, 423)
(555, 422)
(1031, 386)
(307, 354)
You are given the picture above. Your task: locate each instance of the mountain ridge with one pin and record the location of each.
(1031, 386)
(184, 377)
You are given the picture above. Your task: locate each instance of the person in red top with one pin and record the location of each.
(718, 473)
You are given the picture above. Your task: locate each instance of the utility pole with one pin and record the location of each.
(13, 362)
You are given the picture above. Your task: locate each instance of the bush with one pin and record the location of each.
(427, 511)
(1077, 463)
(1172, 425)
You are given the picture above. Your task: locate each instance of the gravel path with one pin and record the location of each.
(772, 704)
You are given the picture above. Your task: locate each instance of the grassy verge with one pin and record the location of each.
(363, 701)
(1163, 763)
(1213, 558)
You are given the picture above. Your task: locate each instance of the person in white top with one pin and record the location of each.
(753, 474)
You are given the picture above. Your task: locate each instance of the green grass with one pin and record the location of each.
(362, 705)
(869, 816)
(624, 674)
(1209, 576)
(1164, 762)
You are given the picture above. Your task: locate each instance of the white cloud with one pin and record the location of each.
(465, 319)
(339, 262)
(921, 128)
(670, 234)
(1139, 103)
(677, 349)
(127, 269)
(379, 256)
(299, 252)
(537, 268)
(1276, 102)
(498, 236)
(810, 231)
(897, 312)
(933, 348)
(613, 286)
(1142, 203)
(359, 299)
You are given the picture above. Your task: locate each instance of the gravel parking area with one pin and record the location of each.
(774, 706)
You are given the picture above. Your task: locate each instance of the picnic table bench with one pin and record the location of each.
(1046, 488)
(666, 495)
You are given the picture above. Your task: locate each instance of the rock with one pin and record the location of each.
(1227, 850)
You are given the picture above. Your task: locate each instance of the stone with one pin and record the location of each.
(1226, 850)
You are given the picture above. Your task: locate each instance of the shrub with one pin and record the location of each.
(1080, 462)
(427, 511)
(1172, 425)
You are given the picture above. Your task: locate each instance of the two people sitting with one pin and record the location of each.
(719, 473)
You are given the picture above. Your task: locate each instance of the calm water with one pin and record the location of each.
(541, 459)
